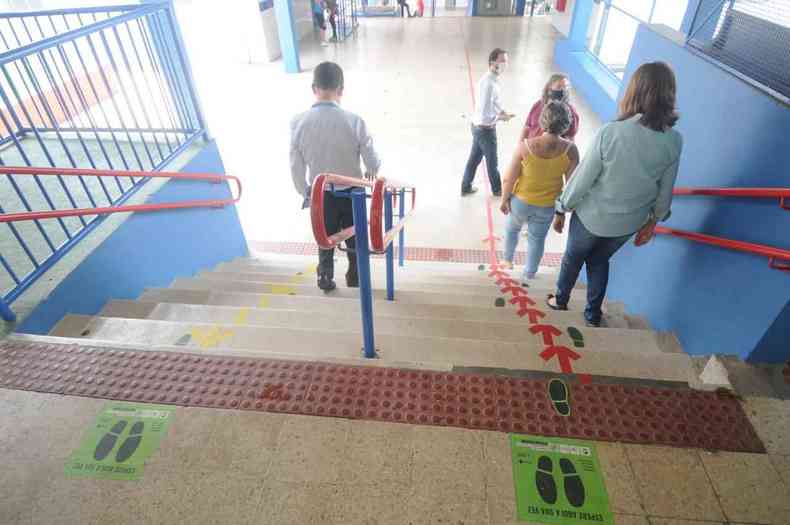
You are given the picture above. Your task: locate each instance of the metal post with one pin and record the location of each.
(6, 313)
(390, 255)
(359, 205)
(402, 233)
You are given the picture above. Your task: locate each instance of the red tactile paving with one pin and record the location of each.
(606, 412)
(413, 253)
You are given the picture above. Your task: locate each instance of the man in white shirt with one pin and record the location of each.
(488, 111)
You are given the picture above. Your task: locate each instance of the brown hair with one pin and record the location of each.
(651, 93)
(555, 77)
(493, 56)
(555, 118)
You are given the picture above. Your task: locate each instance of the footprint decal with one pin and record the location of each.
(184, 340)
(108, 441)
(577, 337)
(500, 302)
(481, 267)
(544, 480)
(559, 394)
(129, 446)
(574, 488)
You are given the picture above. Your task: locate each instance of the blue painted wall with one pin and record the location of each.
(718, 301)
(150, 249)
(591, 79)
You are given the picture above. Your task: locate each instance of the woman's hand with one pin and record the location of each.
(505, 206)
(559, 222)
(645, 234)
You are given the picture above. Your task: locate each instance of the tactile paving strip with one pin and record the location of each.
(606, 412)
(413, 253)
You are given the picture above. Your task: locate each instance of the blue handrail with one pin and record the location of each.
(102, 88)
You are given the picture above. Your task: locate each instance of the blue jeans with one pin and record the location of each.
(587, 248)
(484, 144)
(538, 219)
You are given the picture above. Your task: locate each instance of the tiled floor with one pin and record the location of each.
(408, 78)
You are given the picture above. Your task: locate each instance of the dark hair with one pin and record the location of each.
(493, 55)
(555, 118)
(555, 77)
(328, 76)
(651, 93)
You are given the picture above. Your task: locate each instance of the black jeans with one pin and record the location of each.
(338, 215)
(484, 144)
(404, 5)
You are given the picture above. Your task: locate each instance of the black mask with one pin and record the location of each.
(557, 94)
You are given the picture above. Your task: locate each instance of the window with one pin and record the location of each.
(749, 38)
(614, 23)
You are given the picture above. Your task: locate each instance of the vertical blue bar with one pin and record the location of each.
(359, 204)
(6, 313)
(390, 256)
(402, 234)
(289, 44)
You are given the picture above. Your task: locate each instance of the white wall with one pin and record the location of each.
(562, 21)
(303, 26)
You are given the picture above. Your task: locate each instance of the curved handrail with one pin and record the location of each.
(783, 194)
(78, 212)
(379, 241)
(775, 255)
(324, 240)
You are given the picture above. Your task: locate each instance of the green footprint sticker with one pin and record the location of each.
(577, 337)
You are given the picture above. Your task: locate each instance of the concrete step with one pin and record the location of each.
(402, 275)
(612, 357)
(380, 307)
(350, 321)
(424, 283)
(307, 263)
(220, 282)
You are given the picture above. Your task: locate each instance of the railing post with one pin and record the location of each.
(402, 233)
(390, 255)
(359, 205)
(6, 313)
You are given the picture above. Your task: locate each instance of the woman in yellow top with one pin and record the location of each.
(534, 180)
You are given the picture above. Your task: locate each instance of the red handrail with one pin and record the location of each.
(775, 255)
(379, 241)
(78, 212)
(323, 240)
(783, 194)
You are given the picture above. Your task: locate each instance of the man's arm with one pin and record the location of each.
(298, 165)
(370, 158)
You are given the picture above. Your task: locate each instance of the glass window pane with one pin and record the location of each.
(670, 13)
(618, 40)
(638, 8)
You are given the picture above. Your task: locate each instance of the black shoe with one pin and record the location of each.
(469, 191)
(352, 280)
(326, 283)
(593, 323)
(497, 193)
(551, 302)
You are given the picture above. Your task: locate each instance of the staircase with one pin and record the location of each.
(445, 317)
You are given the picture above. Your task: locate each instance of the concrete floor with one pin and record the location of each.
(409, 79)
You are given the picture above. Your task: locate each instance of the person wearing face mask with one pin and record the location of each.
(558, 89)
(488, 111)
(329, 139)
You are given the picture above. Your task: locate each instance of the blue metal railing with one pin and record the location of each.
(382, 196)
(101, 88)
